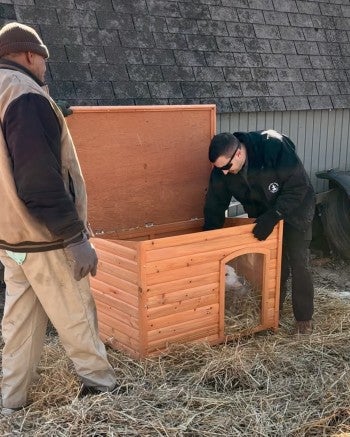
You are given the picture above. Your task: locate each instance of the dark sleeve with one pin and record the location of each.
(216, 202)
(295, 181)
(32, 133)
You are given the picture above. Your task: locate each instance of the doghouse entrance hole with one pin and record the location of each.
(243, 293)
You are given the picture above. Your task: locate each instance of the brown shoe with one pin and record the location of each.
(304, 327)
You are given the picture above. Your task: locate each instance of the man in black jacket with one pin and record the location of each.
(263, 172)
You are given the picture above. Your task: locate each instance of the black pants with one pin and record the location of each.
(295, 261)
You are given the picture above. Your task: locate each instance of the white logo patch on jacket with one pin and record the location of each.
(273, 187)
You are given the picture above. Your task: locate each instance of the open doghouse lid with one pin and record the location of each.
(143, 165)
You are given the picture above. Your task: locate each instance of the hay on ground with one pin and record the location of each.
(269, 384)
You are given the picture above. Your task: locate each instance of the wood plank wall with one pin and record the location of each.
(116, 294)
(183, 283)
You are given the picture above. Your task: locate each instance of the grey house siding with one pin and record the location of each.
(321, 137)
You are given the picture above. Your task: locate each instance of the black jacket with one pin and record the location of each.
(272, 178)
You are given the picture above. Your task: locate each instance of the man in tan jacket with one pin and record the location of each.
(44, 239)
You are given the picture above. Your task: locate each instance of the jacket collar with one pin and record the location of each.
(10, 65)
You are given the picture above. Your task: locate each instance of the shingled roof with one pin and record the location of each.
(243, 55)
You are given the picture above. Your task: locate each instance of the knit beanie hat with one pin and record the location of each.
(17, 37)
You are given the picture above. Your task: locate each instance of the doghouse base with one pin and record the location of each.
(166, 284)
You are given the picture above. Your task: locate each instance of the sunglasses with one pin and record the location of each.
(230, 163)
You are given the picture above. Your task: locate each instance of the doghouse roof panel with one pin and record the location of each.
(145, 165)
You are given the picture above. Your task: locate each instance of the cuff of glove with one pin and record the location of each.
(271, 215)
(64, 107)
(278, 214)
(77, 238)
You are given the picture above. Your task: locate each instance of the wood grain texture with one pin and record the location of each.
(139, 159)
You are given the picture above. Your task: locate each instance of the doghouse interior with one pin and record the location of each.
(243, 295)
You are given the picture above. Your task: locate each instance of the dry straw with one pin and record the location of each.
(266, 385)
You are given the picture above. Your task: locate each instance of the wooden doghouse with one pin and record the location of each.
(161, 279)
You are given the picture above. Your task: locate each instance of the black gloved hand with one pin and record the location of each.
(83, 257)
(265, 224)
(64, 107)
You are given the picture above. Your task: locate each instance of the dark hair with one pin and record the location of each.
(222, 145)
